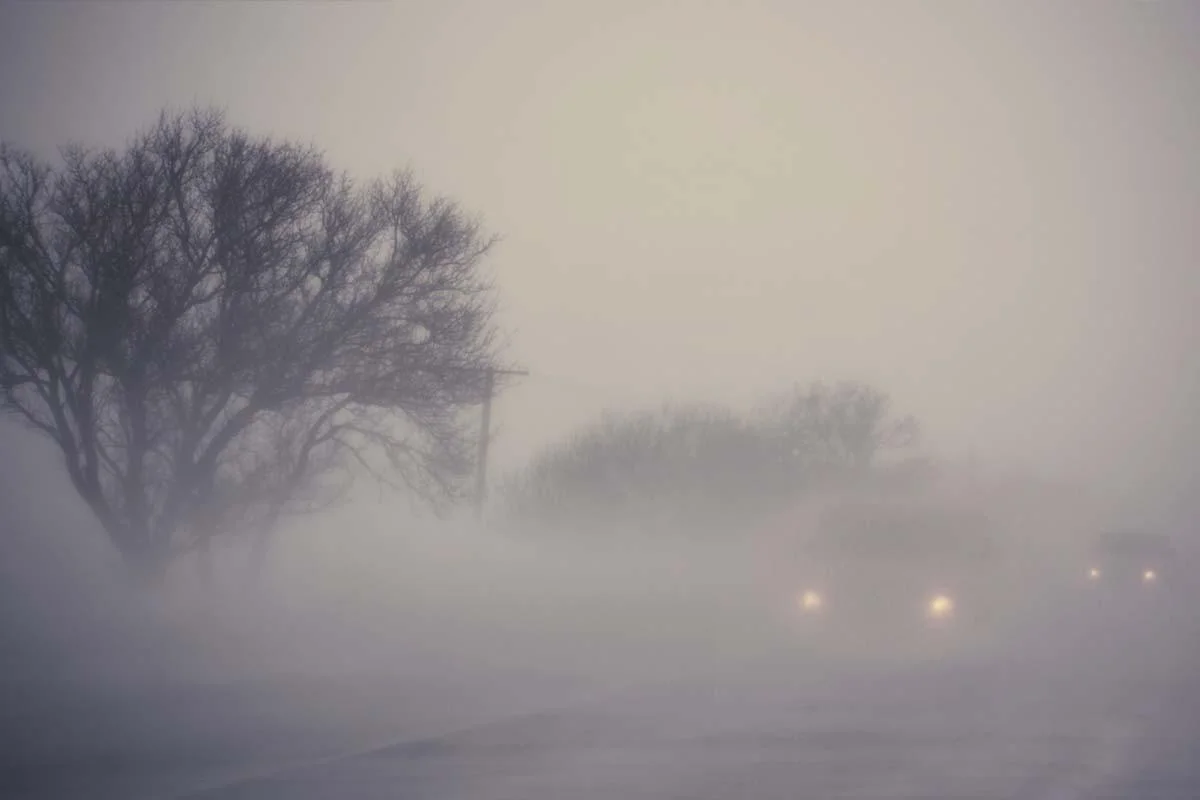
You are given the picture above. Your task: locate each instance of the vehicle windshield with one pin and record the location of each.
(905, 533)
(1124, 545)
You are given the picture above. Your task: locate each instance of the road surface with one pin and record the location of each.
(1110, 711)
(1092, 716)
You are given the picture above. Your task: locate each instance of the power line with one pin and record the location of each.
(481, 462)
(581, 386)
(489, 389)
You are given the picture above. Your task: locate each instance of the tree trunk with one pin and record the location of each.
(258, 554)
(147, 568)
(204, 566)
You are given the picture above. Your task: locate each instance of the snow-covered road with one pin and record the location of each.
(1095, 716)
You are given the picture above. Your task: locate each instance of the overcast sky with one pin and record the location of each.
(988, 209)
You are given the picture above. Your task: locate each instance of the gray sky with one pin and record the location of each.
(987, 209)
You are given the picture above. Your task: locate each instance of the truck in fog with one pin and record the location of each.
(1129, 560)
(879, 573)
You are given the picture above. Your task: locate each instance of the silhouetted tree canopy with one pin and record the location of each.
(213, 328)
(702, 469)
(640, 469)
(837, 430)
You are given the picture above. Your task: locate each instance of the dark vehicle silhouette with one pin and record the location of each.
(883, 577)
(1131, 584)
(1129, 561)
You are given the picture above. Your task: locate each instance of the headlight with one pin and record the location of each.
(940, 607)
(1094, 573)
(810, 601)
(1149, 576)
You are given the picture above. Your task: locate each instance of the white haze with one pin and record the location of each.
(984, 209)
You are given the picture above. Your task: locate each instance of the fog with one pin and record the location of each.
(381, 636)
(983, 210)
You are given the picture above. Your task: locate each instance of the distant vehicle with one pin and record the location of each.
(1129, 560)
(882, 573)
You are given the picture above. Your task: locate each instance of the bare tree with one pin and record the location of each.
(838, 430)
(690, 468)
(213, 328)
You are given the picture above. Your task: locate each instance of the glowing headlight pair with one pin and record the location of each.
(940, 606)
(1148, 576)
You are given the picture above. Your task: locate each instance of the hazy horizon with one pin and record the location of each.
(979, 208)
(983, 209)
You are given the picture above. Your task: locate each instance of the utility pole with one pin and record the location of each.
(485, 425)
